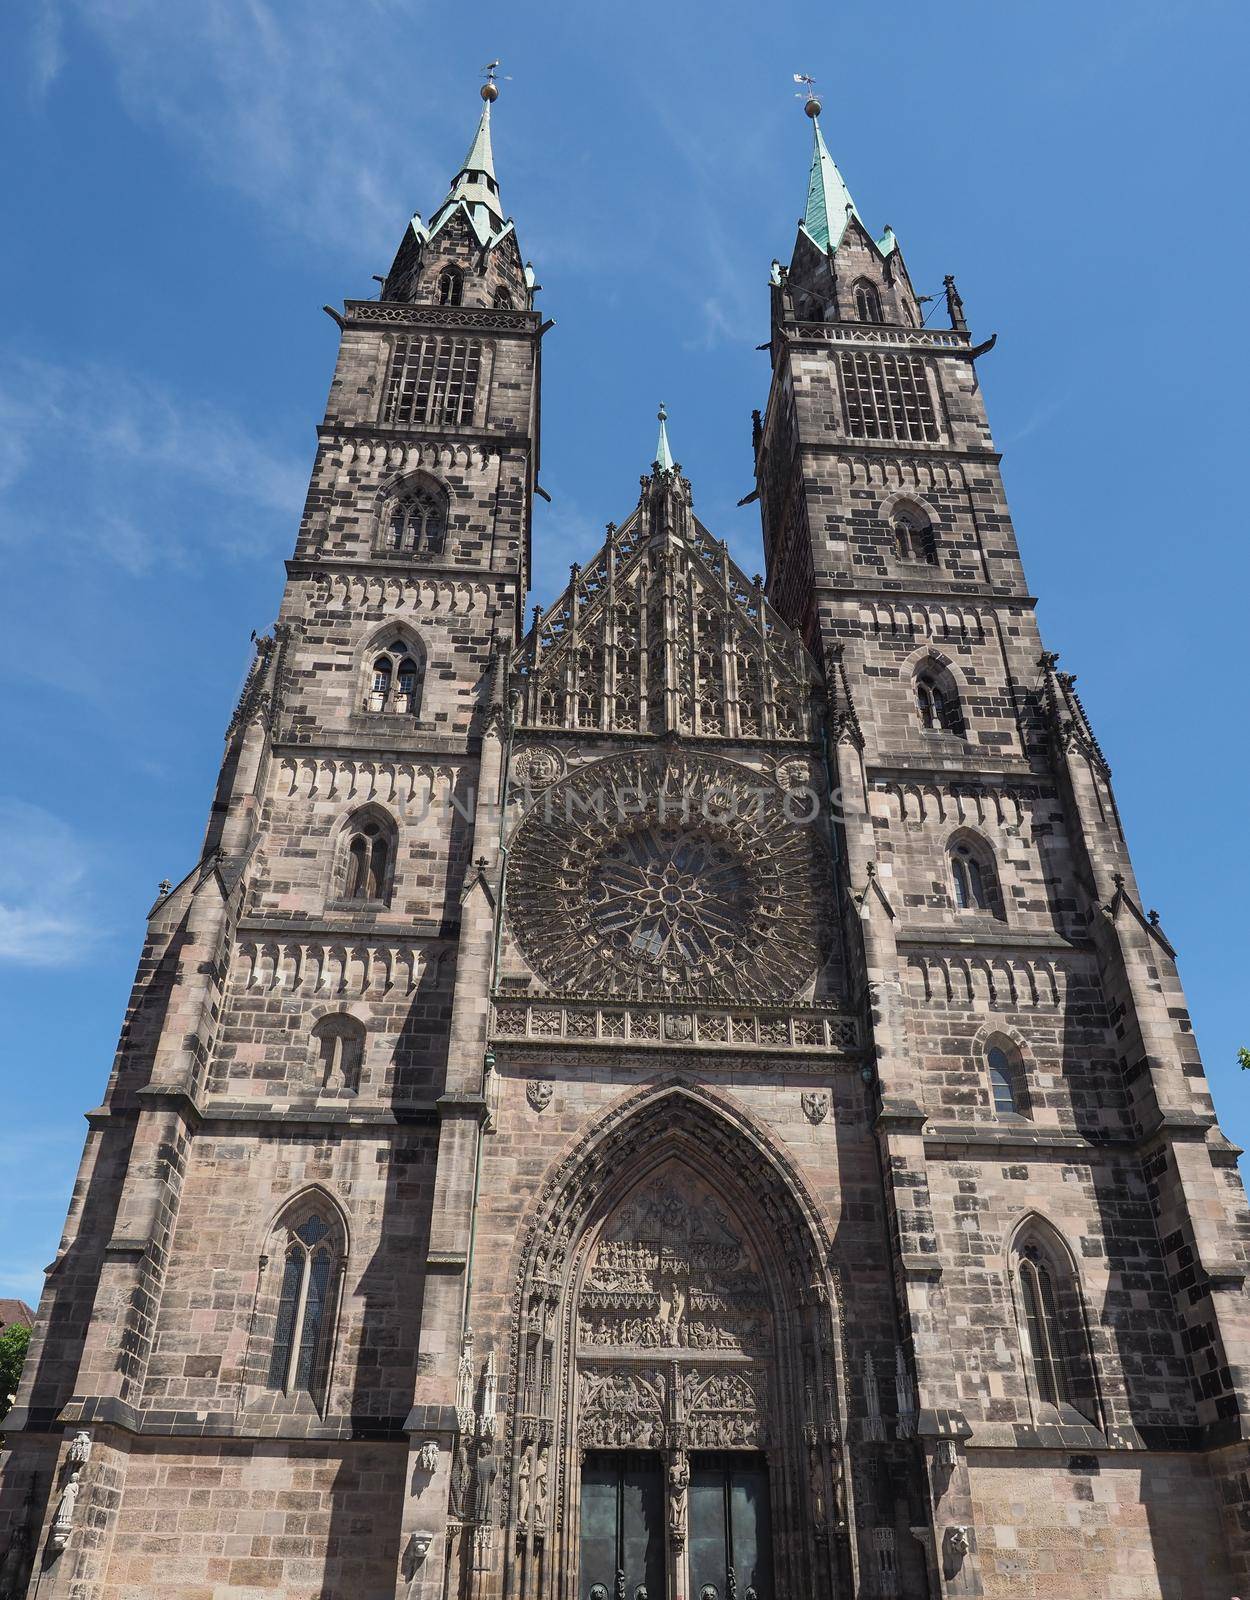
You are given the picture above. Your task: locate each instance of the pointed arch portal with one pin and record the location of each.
(675, 1419)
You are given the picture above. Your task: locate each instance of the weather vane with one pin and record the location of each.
(811, 103)
(490, 89)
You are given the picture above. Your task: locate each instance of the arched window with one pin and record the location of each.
(303, 1331)
(1002, 1062)
(867, 302)
(396, 676)
(450, 286)
(340, 1045)
(937, 701)
(1053, 1338)
(913, 538)
(973, 879)
(369, 851)
(415, 521)
(503, 300)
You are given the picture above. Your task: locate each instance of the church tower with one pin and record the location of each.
(676, 1097)
(1067, 1225)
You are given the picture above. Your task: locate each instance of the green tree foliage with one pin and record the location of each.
(1243, 1059)
(13, 1343)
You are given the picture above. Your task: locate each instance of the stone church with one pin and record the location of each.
(677, 1097)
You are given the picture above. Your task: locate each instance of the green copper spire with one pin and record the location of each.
(829, 203)
(663, 454)
(475, 186)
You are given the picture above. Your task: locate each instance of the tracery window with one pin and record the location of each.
(299, 1360)
(396, 673)
(340, 1043)
(369, 851)
(432, 380)
(415, 521)
(972, 874)
(503, 300)
(913, 538)
(937, 702)
(1006, 1080)
(450, 286)
(886, 397)
(1053, 1337)
(867, 302)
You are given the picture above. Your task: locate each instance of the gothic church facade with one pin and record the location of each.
(679, 1100)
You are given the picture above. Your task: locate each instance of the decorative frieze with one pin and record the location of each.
(402, 786)
(334, 968)
(358, 589)
(573, 1022)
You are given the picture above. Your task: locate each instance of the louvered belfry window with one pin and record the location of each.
(432, 380)
(886, 397)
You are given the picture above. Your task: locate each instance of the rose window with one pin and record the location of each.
(668, 898)
(676, 877)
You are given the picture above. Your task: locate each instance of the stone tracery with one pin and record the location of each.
(669, 873)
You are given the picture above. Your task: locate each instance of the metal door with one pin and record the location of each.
(622, 1519)
(731, 1555)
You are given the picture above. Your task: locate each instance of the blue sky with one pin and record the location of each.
(186, 184)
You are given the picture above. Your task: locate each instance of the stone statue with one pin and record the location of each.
(63, 1522)
(524, 1485)
(678, 1485)
(954, 1548)
(540, 1488)
(487, 1467)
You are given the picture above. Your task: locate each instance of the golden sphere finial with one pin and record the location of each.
(812, 106)
(490, 91)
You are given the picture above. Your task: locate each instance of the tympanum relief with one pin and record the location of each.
(674, 1328)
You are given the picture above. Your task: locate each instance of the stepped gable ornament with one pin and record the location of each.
(669, 874)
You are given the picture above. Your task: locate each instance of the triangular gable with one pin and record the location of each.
(664, 634)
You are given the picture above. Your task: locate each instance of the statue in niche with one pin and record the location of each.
(678, 1489)
(487, 1467)
(540, 1488)
(524, 1481)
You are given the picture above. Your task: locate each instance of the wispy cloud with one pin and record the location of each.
(1040, 417)
(75, 437)
(301, 109)
(44, 918)
(47, 54)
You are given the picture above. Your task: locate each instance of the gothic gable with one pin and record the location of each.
(662, 633)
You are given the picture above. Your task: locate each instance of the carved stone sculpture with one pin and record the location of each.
(540, 1489)
(815, 1106)
(678, 1497)
(525, 1474)
(79, 1452)
(955, 1546)
(427, 1457)
(487, 1468)
(538, 1093)
(63, 1521)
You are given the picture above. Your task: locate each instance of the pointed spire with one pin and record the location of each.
(663, 454)
(829, 203)
(475, 186)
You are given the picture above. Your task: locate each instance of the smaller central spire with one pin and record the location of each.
(663, 454)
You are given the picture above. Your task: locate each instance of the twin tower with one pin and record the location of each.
(679, 1100)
